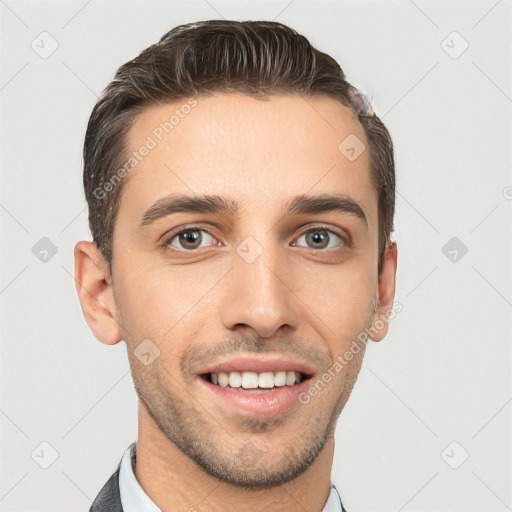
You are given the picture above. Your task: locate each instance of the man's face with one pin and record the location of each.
(257, 285)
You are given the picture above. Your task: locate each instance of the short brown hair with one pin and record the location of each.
(256, 58)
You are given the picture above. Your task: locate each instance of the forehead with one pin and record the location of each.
(259, 151)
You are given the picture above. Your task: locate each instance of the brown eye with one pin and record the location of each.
(319, 238)
(190, 239)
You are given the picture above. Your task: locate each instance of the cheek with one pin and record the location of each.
(157, 304)
(343, 300)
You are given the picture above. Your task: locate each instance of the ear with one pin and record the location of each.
(94, 288)
(387, 284)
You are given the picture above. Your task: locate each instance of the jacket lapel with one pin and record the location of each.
(109, 498)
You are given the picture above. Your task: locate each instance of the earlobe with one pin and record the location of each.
(94, 288)
(387, 286)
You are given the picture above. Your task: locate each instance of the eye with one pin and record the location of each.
(190, 239)
(321, 238)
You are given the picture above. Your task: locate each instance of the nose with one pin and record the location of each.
(259, 295)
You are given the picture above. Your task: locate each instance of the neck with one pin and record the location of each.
(175, 482)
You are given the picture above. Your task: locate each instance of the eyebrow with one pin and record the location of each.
(218, 205)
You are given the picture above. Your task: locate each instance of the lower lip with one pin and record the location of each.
(263, 402)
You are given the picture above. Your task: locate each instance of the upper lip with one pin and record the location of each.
(259, 365)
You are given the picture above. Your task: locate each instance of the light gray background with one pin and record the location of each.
(443, 372)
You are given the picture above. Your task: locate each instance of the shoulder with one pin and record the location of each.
(109, 498)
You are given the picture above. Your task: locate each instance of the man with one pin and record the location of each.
(241, 201)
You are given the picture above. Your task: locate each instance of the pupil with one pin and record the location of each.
(319, 237)
(190, 237)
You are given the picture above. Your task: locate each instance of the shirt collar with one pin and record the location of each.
(134, 499)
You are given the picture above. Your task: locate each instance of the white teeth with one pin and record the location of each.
(249, 380)
(290, 378)
(223, 379)
(266, 380)
(280, 379)
(253, 380)
(235, 379)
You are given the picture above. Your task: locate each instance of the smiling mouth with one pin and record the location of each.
(247, 380)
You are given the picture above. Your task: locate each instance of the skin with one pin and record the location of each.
(298, 297)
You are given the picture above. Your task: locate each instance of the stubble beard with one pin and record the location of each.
(224, 451)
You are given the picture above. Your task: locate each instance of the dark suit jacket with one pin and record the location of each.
(109, 498)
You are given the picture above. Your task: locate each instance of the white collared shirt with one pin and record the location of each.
(134, 499)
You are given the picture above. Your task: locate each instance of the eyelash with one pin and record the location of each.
(167, 242)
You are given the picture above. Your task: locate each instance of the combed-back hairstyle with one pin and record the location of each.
(256, 58)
